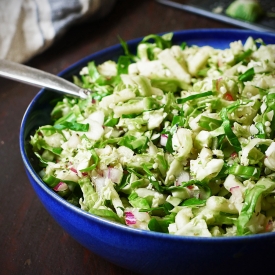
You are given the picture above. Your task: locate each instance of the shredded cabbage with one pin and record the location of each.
(175, 138)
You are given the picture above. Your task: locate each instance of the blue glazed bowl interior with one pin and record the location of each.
(144, 251)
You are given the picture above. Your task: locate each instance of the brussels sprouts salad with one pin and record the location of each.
(174, 138)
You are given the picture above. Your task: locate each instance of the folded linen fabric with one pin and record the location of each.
(28, 27)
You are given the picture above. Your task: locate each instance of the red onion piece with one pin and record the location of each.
(237, 193)
(163, 140)
(218, 83)
(61, 186)
(130, 218)
(73, 169)
(113, 174)
(269, 226)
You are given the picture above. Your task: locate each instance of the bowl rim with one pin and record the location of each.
(105, 222)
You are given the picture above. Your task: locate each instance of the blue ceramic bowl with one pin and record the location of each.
(144, 251)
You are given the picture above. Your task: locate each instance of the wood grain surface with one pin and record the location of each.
(31, 242)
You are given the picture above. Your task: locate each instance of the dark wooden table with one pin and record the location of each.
(31, 242)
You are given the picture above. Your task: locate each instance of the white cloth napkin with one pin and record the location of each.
(28, 27)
